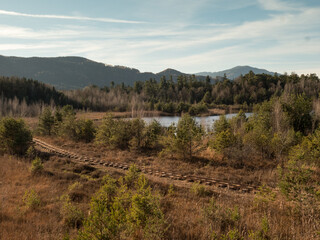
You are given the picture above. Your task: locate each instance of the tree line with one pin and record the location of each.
(193, 96)
(26, 97)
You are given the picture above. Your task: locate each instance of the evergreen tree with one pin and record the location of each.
(185, 139)
(15, 137)
(120, 210)
(46, 122)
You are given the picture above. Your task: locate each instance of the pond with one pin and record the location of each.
(206, 121)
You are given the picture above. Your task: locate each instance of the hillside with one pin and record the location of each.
(78, 72)
(75, 72)
(235, 72)
(68, 72)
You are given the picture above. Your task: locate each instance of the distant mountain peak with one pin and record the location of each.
(170, 71)
(235, 72)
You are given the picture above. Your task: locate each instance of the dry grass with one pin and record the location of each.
(100, 115)
(208, 165)
(44, 222)
(184, 211)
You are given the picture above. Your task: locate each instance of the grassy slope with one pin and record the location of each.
(183, 210)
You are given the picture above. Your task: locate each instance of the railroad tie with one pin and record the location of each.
(163, 174)
(223, 185)
(169, 175)
(125, 167)
(234, 187)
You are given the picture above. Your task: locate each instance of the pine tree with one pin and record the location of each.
(15, 137)
(46, 122)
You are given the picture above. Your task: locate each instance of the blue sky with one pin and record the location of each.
(151, 35)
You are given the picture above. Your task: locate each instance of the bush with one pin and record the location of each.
(84, 131)
(31, 199)
(152, 134)
(114, 133)
(31, 152)
(124, 211)
(132, 176)
(137, 130)
(15, 137)
(36, 166)
(263, 233)
(223, 140)
(199, 190)
(65, 124)
(183, 107)
(199, 108)
(72, 216)
(185, 139)
(222, 124)
(223, 220)
(121, 133)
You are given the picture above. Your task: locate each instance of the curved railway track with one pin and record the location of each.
(146, 170)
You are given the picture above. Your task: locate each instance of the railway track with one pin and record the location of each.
(146, 170)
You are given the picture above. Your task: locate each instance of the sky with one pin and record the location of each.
(151, 35)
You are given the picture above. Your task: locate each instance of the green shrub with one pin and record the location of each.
(46, 122)
(199, 190)
(74, 186)
(183, 107)
(114, 133)
(122, 133)
(138, 133)
(223, 140)
(132, 176)
(152, 135)
(171, 190)
(263, 233)
(233, 234)
(124, 211)
(223, 220)
(72, 216)
(197, 109)
(184, 140)
(36, 166)
(15, 137)
(84, 131)
(31, 152)
(31, 199)
(220, 125)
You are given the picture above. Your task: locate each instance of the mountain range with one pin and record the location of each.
(78, 72)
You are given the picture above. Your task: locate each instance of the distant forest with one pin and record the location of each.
(27, 97)
(187, 94)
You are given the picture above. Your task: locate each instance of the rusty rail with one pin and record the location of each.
(146, 170)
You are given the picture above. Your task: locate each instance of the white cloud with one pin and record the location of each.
(14, 32)
(278, 42)
(81, 18)
(277, 5)
(17, 46)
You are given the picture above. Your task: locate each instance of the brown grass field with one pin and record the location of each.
(183, 209)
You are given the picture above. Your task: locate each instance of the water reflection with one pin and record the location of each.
(206, 122)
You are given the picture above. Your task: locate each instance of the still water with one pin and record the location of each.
(206, 122)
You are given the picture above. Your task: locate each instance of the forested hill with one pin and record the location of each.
(76, 72)
(26, 97)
